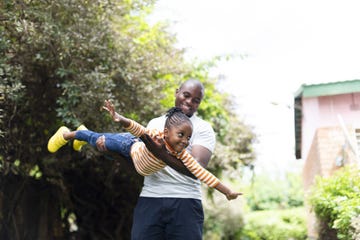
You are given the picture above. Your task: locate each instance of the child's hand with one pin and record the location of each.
(108, 106)
(232, 195)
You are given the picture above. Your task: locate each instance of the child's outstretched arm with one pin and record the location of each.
(131, 126)
(205, 176)
(108, 106)
(230, 195)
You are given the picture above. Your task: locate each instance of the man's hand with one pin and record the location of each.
(100, 144)
(157, 147)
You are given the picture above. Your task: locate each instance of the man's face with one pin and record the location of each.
(188, 98)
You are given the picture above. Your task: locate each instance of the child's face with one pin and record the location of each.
(178, 137)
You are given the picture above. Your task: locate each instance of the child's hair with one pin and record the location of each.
(175, 116)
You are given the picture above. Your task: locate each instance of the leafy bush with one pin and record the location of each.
(355, 228)
(223, 219)
(269, 194)
(226, 220)
(275, 225)
(336, 201)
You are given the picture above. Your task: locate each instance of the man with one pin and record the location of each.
(169, 206)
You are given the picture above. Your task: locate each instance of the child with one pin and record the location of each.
(176, 135)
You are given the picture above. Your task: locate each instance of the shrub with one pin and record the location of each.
(223, 219)
(266, 193)
(275, 225)
(355, 228)
(336, 201)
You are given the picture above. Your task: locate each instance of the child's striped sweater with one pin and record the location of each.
(146, 163)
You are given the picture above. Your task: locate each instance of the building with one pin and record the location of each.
(327, 131)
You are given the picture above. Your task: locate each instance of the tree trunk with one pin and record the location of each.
(29, 209)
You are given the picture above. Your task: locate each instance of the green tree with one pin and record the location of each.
(59, 60)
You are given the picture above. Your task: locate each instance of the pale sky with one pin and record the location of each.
(287, 43)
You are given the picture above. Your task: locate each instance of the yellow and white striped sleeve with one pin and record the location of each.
(198, 171)
(136, 129)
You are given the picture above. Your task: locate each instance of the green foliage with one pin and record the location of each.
(223, 220)
(275, 225)
(283, 217)
(336, 200)
(61, 59)
(267, 194)
(355, 228)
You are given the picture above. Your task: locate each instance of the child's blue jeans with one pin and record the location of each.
(115, 142)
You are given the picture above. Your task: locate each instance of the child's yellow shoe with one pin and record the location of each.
(77, 145)
(57, 140)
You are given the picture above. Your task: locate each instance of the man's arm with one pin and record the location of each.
(157, 147)
(201, 154)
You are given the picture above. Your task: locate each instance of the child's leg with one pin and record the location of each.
(120, 143)
(87, 136)
(116, 142)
